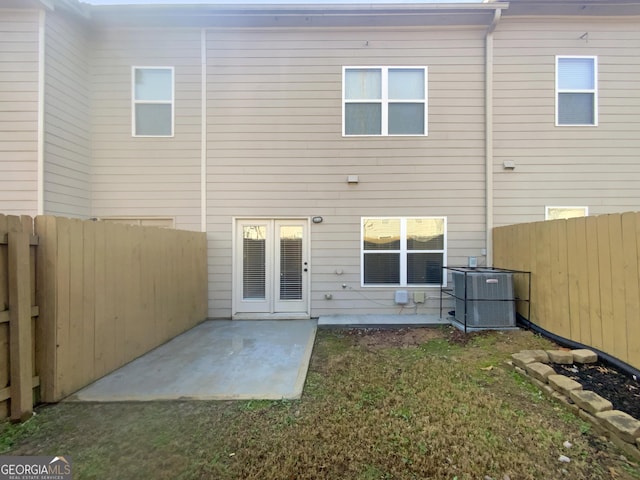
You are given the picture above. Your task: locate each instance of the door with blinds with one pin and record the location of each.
(271, 267)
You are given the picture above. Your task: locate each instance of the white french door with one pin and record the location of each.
(271, 267)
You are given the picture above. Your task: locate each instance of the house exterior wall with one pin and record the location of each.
(274, 144)
(67, 131)
(593, 166)
(275, 149)
(19, 111)
(145, 177)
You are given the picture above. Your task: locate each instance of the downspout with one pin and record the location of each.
(488, 125)
(40, 137)
(203, 130)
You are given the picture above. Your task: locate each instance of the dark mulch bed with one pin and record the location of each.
(621, 390)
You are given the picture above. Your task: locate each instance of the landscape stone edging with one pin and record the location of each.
(621, 428)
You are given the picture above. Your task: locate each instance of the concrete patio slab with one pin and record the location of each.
(216, 360)
(381, 321)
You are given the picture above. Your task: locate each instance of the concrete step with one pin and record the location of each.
(381, 321)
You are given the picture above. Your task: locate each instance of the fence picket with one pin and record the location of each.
(630, 281)
(75, 329)
(579, 249)
(619, 303)
(4, 318)
(559, 279)
(573, 279)
(46, 335)
(20, 325)
(606, 290)
(102, 345)
(63, 301)
(593, 267)
(633, 324)
(543, 263)
(88, 298)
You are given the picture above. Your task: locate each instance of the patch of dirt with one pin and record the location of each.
(622, 391)
(373, 338)
(458, 337)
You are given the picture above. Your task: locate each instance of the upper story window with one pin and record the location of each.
(576, 91)
(403, 251)
(384, 101)
(153, 91)
(555, 213)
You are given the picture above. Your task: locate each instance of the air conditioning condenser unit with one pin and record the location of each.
(484, 299)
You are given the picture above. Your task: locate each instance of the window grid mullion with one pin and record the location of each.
(403, 252)
(153, 102)
(385, 101)
(576, 90)
(425, 99)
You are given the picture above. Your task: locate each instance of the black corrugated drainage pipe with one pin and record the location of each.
(602, 356)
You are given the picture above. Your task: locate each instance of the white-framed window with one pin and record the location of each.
(384, 101)
(152, 94)
(555, 213)
(403, 251)
(576, 91)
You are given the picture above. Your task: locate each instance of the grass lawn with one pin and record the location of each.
(408, 404)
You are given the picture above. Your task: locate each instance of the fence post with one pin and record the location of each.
(20, 326)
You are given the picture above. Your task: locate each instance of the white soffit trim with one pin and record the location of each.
(297, 15)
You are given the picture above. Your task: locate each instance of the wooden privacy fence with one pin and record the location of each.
(104, 294)
(585, 278)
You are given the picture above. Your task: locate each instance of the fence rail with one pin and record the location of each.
(585, 278)
(79, 299)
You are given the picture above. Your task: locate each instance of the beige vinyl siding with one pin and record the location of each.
(592, 166)
(275, 149)
(19, 111)
(67, 148)
(145, 177)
